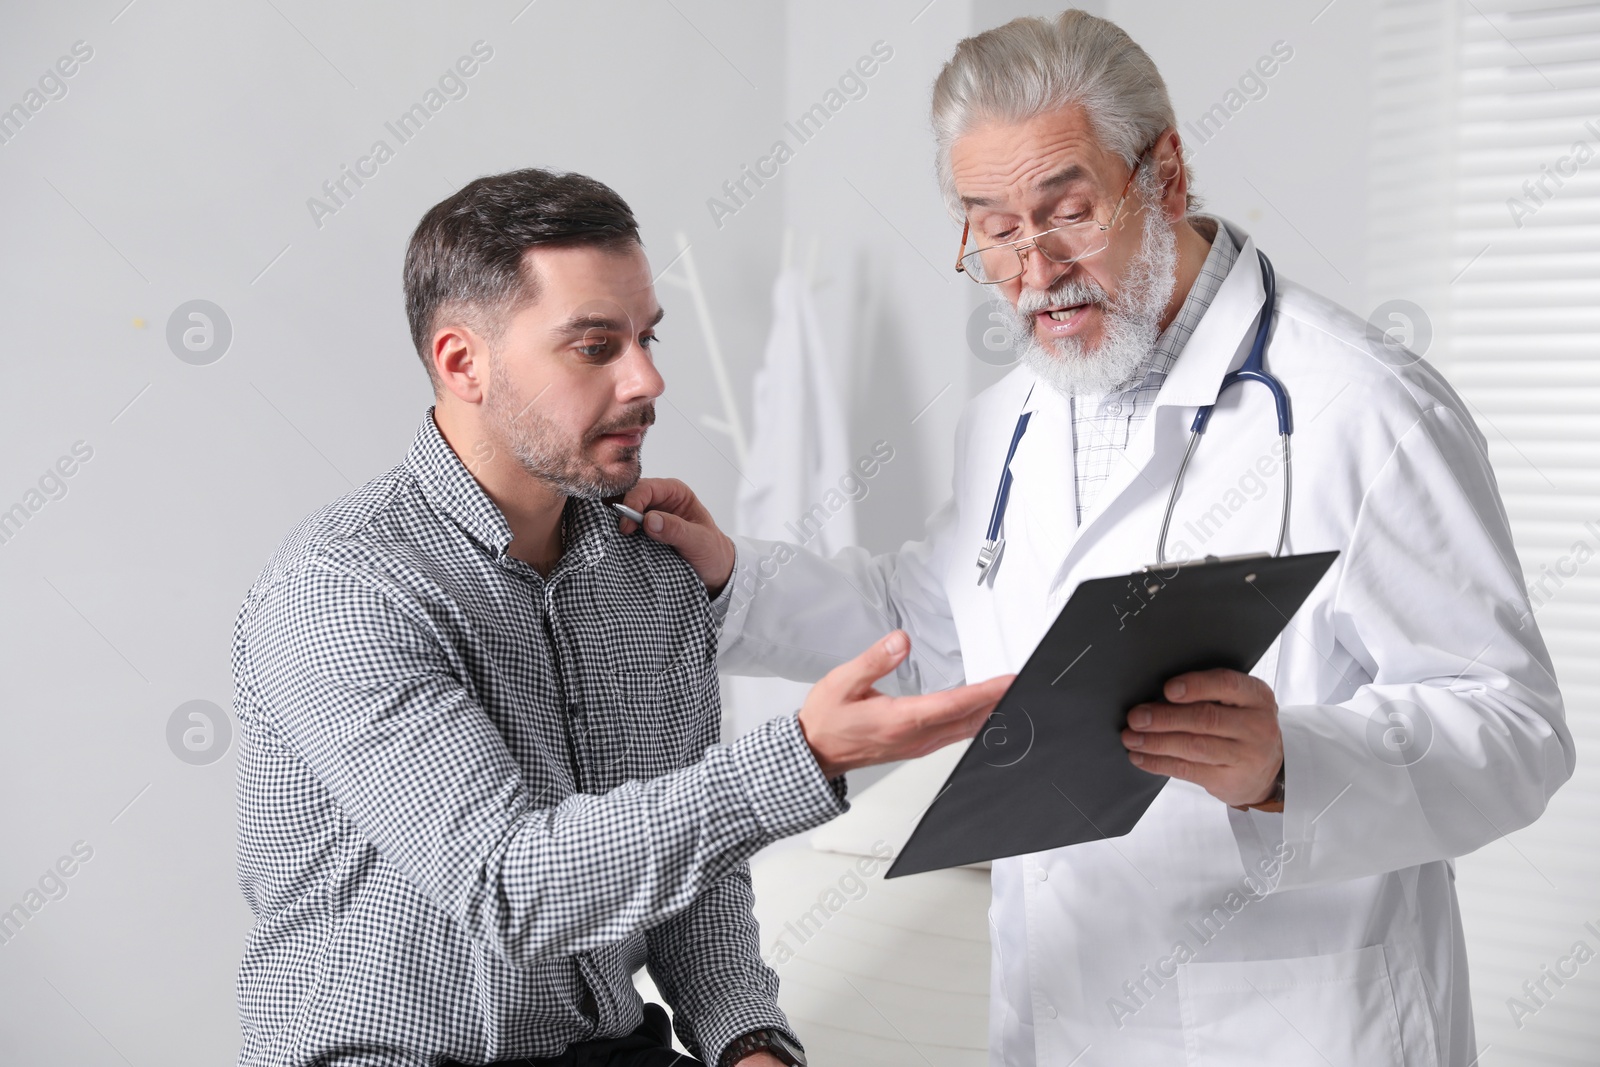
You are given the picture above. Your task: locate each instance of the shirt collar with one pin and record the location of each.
(1213, 271)
(588, 529)
(587, 525)
(1218, 262)
(1221, 336)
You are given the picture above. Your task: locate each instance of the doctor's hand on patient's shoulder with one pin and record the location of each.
(674, 516)
(1218, 729)
(849, 724)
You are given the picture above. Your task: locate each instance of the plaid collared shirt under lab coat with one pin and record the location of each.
(1102, 426)
(473, 801)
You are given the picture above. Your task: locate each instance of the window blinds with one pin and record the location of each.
(1485, 201)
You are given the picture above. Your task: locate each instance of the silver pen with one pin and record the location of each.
(628, 513)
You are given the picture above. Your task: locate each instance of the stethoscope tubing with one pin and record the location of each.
(1251, 370)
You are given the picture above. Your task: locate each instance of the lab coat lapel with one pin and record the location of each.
(1042, 516)
(1219, 343)
(1012, 600)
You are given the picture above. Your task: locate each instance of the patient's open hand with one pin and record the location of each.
(848, 723)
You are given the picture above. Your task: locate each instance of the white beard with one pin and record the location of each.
(1132, 322)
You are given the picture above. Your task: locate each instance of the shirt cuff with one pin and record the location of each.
(735, 596)
(720, 602)
(784, 785)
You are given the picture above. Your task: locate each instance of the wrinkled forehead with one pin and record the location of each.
(1001, 165)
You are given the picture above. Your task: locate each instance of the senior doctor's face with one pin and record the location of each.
(1087, 326)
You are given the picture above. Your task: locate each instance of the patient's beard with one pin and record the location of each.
(1131, 321)
(547, 452)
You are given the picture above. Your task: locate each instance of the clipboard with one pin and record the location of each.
(1048, 767)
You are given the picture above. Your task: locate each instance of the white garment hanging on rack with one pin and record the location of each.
(798, 452)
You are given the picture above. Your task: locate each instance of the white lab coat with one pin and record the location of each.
(1328, 934)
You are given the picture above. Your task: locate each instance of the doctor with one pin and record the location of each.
(1289, 898)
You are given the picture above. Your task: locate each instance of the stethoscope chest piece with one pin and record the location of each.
(988, 556)
(993, 543)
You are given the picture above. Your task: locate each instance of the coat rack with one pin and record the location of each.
(730, 425)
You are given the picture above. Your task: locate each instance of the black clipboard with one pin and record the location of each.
(1048, 768)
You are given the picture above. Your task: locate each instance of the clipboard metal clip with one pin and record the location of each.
(1172, 566)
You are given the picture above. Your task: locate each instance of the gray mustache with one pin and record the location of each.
(1029, 302)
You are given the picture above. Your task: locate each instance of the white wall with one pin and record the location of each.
(1290, 164)
(178, 167)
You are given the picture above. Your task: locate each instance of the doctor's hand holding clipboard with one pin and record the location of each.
(1216, 728)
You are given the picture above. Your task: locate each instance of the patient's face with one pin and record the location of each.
(573, 382)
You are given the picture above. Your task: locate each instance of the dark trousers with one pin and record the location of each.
(648, 1046)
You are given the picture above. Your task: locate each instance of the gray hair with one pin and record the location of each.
(1034, 65)
(466, 261)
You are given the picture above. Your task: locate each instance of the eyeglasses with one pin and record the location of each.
(1062, 245)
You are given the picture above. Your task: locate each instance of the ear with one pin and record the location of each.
(1167, 156)
(461, 362)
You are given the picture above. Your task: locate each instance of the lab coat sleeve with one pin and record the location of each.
(1459, 737)
(795, 614)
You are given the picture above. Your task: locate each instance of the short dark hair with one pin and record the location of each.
(465, 257)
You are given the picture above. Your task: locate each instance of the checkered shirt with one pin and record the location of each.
(1102, 427)
(473, 801)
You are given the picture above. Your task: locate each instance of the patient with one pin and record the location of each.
(480, 782)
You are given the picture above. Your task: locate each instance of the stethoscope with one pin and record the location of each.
(1249, 371)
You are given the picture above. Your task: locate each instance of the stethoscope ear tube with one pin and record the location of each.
(1283, 523)
(1250, 371)
(1177, 483)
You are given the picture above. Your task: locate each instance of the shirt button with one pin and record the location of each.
(1051, 1011)
(1114, 408)
(1040, 873)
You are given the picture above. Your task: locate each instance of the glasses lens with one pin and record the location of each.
(987, 266)
(1066, 244)
(1062, 245)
